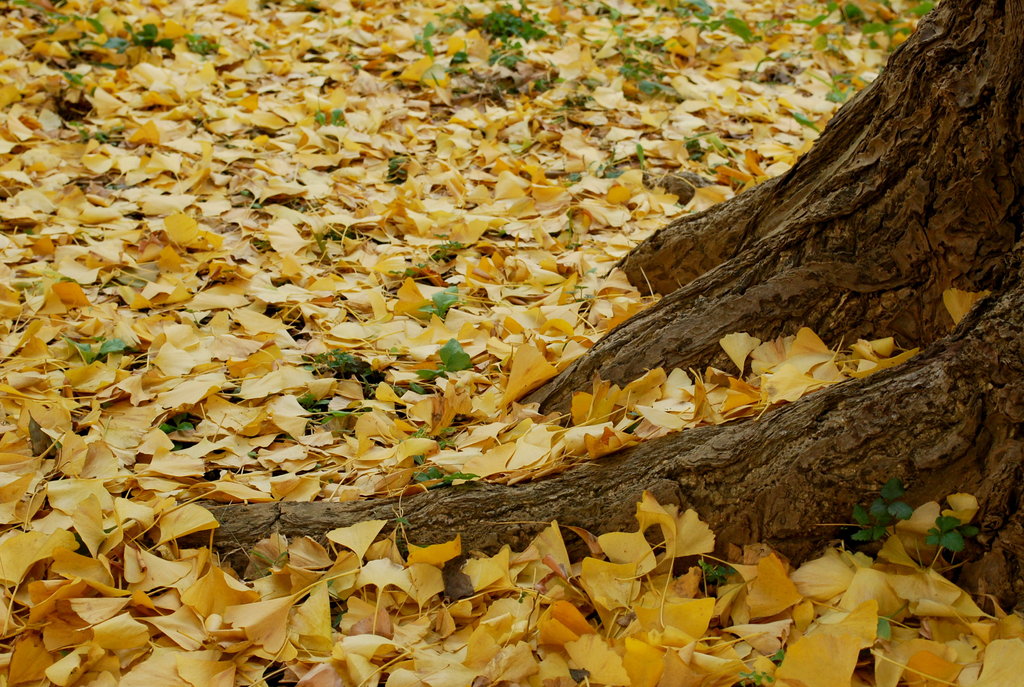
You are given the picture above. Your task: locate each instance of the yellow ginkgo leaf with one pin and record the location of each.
(438, 554)
(604, 666)
(958, 303)
(772, 591)
(147, 133)
(529, 369)
(185, 519)
(738, 346)
(357, 537)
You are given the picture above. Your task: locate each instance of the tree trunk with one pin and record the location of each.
(916, 185)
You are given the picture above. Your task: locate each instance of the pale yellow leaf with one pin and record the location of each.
(357, 537)
(958, 303)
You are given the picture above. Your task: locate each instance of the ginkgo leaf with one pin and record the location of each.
(184, 520)
(264, 622)
(592, 654)
(772, 591)
(958, 303)
(1003, 663)
(738, 346)
(528, 370)
(357, 537)
(820, 660)
(437, 555)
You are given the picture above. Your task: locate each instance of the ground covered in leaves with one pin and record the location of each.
(319, 251)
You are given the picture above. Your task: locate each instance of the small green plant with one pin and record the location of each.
(506, 23)
(686, 8)
(756, 678)
(433, 473)
(441, 302)
(264, 563)
(804, 120)
(839, 87)
(74, 79)
(182, 422)
(90, 353)
(645, 75)
(949, 533)
(510, 27)
(445, 251)
(115, 133)
(443, 441)
(508, 55)
(201, 45)
(148, 37)
(731, 23)
(321, 416)
(883, 514)
(453, 359)
(342, 365)
(335, 117)
(397, 173)
(311, 402)
(423, 39)
(715, 574)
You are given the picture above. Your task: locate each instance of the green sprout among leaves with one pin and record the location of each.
(453, 359)
(433, 473)
(342, 365)
(89, 353)
(397, 173)
(886, 510)
(804, 120)
(505, 23)
(148, 37)
(715, 574)
(182, 422)
(335, 117)
(441, 302)
(201, 45)
(445, 251)
(756, 678)
(949, 533)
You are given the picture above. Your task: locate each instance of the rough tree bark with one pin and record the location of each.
(915, 186)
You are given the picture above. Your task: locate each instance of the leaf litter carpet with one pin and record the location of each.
(319, 251)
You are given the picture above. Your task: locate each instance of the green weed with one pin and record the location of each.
(453, 359)
(883, 514)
